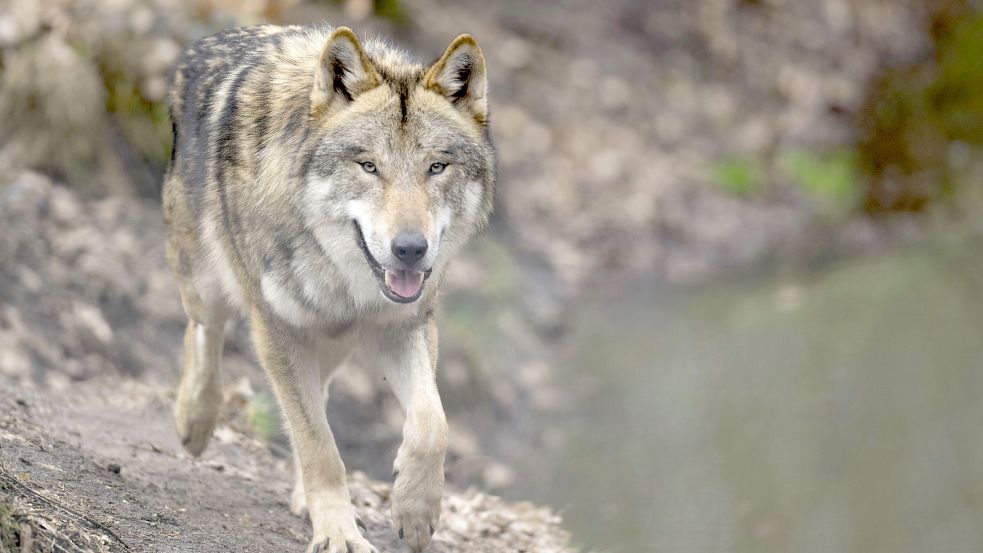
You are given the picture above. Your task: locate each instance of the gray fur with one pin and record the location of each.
(271, 211)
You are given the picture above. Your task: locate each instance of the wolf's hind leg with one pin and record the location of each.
(199, 398)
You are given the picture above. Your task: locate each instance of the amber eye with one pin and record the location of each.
(369, 167)
(437, 168)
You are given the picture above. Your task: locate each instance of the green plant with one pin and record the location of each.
(145, 123)
(263, 416)
(915, 114)
(741, 177)
(391, 10)
(955, 94)
(831, 177)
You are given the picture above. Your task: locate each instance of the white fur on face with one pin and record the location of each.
(330, 221)
(317, 194)
(378, 240)
(472, 200)
(331, 224)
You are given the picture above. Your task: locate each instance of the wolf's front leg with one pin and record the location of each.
(408, 359)
(291, 360)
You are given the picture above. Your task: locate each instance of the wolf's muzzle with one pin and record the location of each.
(403, 285)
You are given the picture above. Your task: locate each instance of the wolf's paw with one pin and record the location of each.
(328, 545)
(416, 503)
(336, 530)
(196, 416)
(340, 541)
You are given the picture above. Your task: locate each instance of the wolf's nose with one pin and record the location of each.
(409, 247)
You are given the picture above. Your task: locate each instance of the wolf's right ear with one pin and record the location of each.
(343, 72)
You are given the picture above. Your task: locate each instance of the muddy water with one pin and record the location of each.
(835, 410)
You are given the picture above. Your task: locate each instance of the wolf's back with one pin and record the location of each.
(232, 92)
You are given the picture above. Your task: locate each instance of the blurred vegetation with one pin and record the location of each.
(919, 136)
(144, 122)
(389, 10)
(264, 417)
(832, 178)
(741, 177)
(924, 123)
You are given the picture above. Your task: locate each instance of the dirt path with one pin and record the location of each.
(107, 473)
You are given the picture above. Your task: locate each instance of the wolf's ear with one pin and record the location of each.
(459, 76)
(343, 72)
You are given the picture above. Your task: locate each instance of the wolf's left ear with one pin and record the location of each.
(343, 71)
(459, 76)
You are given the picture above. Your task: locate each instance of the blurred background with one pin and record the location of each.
(731, 299)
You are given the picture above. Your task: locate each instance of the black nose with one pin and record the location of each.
(409, 247)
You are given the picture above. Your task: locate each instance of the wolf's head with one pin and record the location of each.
(403, 171)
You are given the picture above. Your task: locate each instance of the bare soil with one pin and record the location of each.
(98, 467)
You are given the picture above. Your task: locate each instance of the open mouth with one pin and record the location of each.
(399, 285)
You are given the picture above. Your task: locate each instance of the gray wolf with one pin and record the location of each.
(319, 186)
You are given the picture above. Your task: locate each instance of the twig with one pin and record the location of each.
(30, 493)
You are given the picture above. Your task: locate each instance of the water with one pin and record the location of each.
(836, 410)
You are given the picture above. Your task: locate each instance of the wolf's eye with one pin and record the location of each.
(369, 167)
(437, 168)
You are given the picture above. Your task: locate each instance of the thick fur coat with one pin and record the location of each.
(319, 187)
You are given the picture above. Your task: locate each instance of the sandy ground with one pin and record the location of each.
(106, 472)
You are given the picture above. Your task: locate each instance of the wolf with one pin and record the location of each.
(319, 186)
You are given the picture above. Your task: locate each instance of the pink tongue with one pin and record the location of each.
(405, 282)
